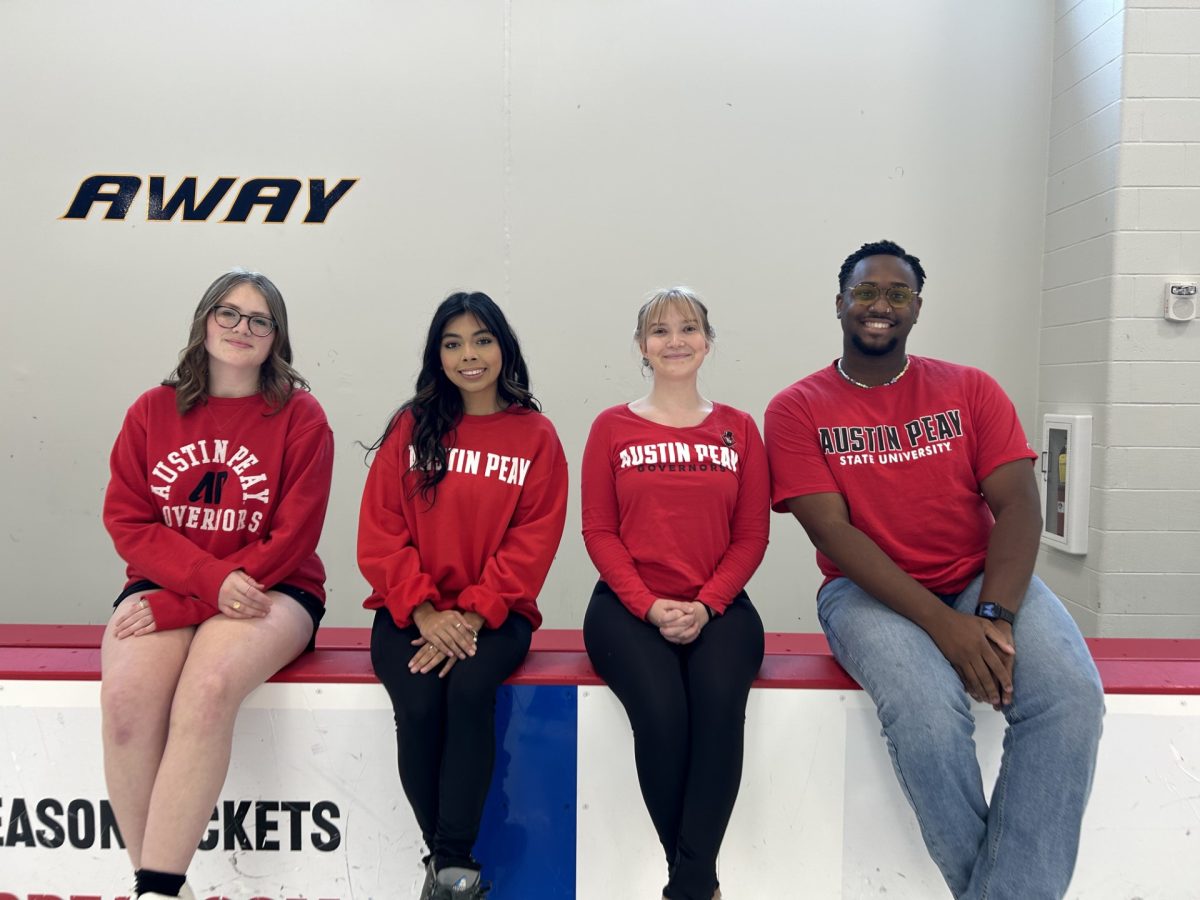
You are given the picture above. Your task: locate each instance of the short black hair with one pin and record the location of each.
(880, 248)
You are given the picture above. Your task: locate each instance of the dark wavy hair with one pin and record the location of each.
(437, 405)
(277, 379)
(880, 248)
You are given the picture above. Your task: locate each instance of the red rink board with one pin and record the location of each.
(71, 653)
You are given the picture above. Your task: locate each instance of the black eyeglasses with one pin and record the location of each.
(228, 317)
(897, 297)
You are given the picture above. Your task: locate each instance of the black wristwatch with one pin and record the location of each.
(995, 611)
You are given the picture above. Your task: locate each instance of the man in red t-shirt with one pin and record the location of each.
(913, 479)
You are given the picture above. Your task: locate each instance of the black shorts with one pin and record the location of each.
(313, 606)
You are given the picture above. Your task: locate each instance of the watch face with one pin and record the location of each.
(993, 611)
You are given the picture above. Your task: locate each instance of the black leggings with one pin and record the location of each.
(687, 706)
(445, 729)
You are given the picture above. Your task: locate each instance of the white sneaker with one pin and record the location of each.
(185, 893)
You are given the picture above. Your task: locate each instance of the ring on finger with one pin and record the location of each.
(237, 604)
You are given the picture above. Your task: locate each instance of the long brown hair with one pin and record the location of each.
(277, 379)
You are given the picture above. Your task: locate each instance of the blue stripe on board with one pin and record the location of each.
(527, 838)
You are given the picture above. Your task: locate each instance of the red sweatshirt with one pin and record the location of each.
(679, 513)
(487, 542)
(226, 486)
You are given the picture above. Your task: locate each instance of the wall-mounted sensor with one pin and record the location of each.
(1181, 302)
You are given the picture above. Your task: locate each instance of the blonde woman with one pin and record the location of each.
(675, 518)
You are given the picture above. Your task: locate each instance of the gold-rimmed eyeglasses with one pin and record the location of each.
(897, 296)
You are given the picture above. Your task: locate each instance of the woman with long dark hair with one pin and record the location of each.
(675, 518)
(461, 516)
(220, 480)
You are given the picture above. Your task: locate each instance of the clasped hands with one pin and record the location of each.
(447, 636)
(982, 652)
(678, 621)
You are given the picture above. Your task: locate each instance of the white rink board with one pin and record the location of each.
(308, 743)
(819, 807)
(830, 819)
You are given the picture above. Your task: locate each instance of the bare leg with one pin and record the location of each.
(227, 660)
(138, 681)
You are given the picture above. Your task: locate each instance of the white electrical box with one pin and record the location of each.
(1066, 481)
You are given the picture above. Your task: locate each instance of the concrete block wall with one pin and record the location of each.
(1123, 219)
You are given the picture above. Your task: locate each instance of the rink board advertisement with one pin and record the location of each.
(313, 810)
(312, 807)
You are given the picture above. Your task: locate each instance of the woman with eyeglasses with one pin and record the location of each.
(675, 518)
(220, 479)
(461, 516)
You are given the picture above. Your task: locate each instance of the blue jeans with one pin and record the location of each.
(1024, 845)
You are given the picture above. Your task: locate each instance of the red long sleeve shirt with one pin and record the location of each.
(680, 513)
(226, 486)
(486, 543)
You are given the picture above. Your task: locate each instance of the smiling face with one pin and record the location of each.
(878, 328)
(235, 351)
(674, 343)
(471, 360)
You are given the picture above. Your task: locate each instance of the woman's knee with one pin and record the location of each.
(472, 687)
(129, 713)
(206, 701)
(419, 713)
(138, 681)
(712, 701)
(658, 715)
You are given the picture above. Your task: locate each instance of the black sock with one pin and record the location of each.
(147, 881)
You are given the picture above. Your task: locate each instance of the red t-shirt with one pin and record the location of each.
(908, 458)
(680, 513)
(486, 543)
(228, 485)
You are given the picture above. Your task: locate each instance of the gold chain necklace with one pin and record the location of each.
(868, 387)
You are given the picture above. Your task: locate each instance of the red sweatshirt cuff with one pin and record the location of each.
(639, 605)
(401, 601)
(486, 602)
(172, 610)
(209, 577)
(710, 599)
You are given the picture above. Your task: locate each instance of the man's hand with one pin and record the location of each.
(1008, 658)
(982, 653)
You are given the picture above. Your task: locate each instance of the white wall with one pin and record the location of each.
(1123, 218)
(564, 157)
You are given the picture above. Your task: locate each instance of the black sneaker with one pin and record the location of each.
(455, 883)
(430, 884)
